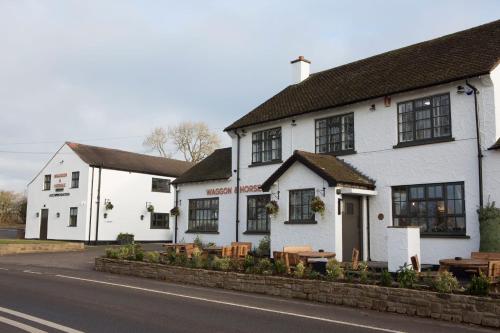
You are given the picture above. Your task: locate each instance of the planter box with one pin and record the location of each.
(458, 308)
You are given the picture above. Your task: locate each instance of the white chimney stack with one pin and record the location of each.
(300, 69)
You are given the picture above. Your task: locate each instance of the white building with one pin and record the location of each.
(396, 139)
(91, 194)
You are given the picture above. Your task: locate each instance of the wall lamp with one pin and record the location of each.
(58, 215)
(372, 107)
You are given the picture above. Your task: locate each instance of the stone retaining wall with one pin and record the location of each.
(39, 247)
(451, 307)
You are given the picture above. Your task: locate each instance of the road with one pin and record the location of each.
(82, 300)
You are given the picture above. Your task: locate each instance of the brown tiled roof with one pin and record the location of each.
(330, 168)
(216, 166)
(127, 161)
(496, 145)
(446, 59)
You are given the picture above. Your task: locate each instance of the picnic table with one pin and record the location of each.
(466, 264)
(307, 255)
(217, 250)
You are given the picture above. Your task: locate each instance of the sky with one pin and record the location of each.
(107, 72)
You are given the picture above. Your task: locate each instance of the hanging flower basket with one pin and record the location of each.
(109, 205)
(272, 208)
(318, 206)
(175, 211)
(151, 208)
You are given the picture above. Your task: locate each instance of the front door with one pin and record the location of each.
(44, 219)
(351, 227)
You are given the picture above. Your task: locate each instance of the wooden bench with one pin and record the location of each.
(493, 262)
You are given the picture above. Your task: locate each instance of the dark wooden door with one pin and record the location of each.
(44, 220)
(351, 227)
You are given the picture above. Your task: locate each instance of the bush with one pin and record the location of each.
(385, 278)
(249, 264)
(334, 270)
(363, 272)
(489, 228)
(299, 270)
(264, 248)
(479, 285)
(221, 264)
(112, 254)
(181, 259)
(125, 238)
(198, 243)
(406, 276)
(312, 274)
(152, 257)
(445, 282)
(280, 267)
(126, 252)
(197, 260)
(264, 266)
(169, 257)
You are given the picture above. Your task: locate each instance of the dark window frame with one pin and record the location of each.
(257, 221)
(343, 135)
(208, 223)
(163, 188)
(73, 217)
(433, 138)
(47, 182)
(75, 181)
(165, 220)
(428, 201)
(301, 219)
(262, 144)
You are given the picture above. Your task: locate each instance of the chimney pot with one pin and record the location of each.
(300, 69)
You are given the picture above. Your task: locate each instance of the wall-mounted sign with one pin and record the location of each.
(60, 181)
(59, 195)
(60, 175)
(231, 190)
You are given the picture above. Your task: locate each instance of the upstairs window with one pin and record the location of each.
(438, 209)
(159, 221)
(46, 182)
(300, 205)
(335, 134)
(424, 119)
(266, 146)
(73, 216)
(160, 185)
(75, 179)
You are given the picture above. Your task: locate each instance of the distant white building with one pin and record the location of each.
(91, 194)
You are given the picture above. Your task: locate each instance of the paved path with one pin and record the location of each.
(58, 290)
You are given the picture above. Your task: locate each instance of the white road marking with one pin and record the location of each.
(21, 326)
(40, 321)
(31, 272)
(286, 313)
(3, 269)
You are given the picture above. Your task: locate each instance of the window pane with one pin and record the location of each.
(335, 134)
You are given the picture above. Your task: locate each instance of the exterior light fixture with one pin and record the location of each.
(372, 107)
(460, 90)
(37, 214)
(58, 214)
(142, 217)
(294, 123)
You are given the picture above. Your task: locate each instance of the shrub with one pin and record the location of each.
(180, 259)
(363, 272)
(479, 285)
(197, 260)
(312, 274)
(198, 243)
(280, 267)
(249, 264)
(152, 257)
(445, 282)
(406, 276)
(264, 266)
(221, 264)
(334, 270)
(139, 252)
(169, 257)
(125, 238)
(112, 253)
(349, 276)
(299, 270)
(385, 278)
(489, 228)
(264, 248)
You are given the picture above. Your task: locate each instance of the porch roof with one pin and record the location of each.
(332, 169)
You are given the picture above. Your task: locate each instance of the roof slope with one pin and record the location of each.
(328, 167)
(453, 57)
(216, 166)
(127, 161)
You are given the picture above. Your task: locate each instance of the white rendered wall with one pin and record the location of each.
(402, 244)
(64, 161)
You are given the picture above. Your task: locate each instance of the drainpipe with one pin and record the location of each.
(98, 205)
(176, 205)
(478, 140)
(368, 228)
(91, 205)
(237, 185)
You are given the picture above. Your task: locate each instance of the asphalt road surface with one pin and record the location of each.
(36, 298)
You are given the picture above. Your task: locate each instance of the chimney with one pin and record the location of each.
(300, 69)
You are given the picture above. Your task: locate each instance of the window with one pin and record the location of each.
(335, 134)
(204, 215)
(75, 179)
(257, 217)
(159, 221)
(266, 146)
(160, 185)
(73, 216)
(424, 119)
(436, 208)
(300, 205)
(46, 183)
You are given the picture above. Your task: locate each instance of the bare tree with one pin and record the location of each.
(12, 207)
(194, 140)
(157, 141)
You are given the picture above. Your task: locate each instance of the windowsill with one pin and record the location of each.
(423, 142)
(340, 153)
(302, 222)
(256, 233)
(444, 236)
(200, 232)
(159, 228)
(253, 165)
(71, 226)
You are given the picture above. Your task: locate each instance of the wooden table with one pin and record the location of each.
(473, 264)
(178, 247)
(217, 250)
(315, 255)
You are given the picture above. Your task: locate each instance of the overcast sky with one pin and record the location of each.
(107, 72)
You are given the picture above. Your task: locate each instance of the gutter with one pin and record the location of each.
(237, 185)
(98, 206)
(478, 140)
